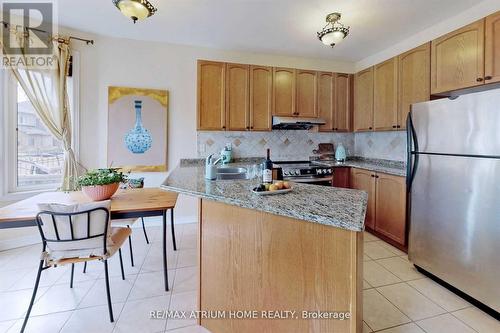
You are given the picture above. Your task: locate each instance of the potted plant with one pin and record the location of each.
(101, 184)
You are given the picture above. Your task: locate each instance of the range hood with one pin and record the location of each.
(296, 123)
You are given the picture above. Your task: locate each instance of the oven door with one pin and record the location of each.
(326, 181)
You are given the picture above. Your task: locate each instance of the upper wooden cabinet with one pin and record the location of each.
(342, 118)
(414, 80)
(237, 97)
(390, 210)
(306, 95)
(284, 92)
(211, 95)
(492, 49)
(364, 180)
(363, 100)
(326, 92)
(457, 59)
(261, 98)
(385, 96)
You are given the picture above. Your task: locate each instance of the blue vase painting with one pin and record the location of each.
(138, 140)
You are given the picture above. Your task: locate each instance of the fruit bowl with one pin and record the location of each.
(277, 187)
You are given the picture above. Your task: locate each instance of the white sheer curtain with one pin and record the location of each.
(46, 90)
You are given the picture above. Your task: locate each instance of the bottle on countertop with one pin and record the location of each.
(267, 169)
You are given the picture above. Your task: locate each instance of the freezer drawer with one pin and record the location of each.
(455, 223)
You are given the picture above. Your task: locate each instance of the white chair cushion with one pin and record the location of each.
(79, 248)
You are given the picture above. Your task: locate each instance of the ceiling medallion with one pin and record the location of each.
(334, 31)
(135, 9)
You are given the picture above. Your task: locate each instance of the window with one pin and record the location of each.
(39, 157)
(34, 157)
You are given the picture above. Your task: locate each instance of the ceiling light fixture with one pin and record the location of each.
(334, 31)
(135, 9)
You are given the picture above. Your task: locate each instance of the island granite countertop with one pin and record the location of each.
(331, 206)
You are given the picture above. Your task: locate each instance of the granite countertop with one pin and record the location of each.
(336, 207)
(395, 168)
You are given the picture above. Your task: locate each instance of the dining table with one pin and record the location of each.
(125, 204)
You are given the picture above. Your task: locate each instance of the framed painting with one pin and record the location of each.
(137, 129)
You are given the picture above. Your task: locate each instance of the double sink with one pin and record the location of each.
(228, 173)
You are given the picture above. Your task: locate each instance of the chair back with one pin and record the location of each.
(70, 231)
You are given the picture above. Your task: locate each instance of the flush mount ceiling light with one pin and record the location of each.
(334, 31)
(135, 9)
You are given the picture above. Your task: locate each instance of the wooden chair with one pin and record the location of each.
(77, 233)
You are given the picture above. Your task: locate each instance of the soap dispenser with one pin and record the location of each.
(227, 154)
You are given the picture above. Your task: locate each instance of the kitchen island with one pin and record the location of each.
(282, 263)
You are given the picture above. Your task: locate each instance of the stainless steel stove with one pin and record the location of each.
(305, 172)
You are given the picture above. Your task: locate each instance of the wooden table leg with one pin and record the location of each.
(165, 271)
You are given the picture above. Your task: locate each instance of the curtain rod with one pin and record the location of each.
(87, 41)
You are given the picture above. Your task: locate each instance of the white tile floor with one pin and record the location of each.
(397, 299)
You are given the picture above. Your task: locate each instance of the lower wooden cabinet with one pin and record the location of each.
(386, 211)
(341, 177)
(390, 207)
(364, 180)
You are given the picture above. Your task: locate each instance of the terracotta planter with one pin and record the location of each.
(100, 192)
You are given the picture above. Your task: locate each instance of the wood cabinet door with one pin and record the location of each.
(211, 95)
(342, 103)
(365, 180)
(326, 91)
(237, 97)
(341, 177)
(284, 92)
(390, 211)
(414, 80)
(363, 100)
(307, 98)
(261, 98)
(492, 48)
(385, 96)
(457, 59)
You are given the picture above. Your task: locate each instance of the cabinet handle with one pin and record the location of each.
(479, 79)
(488, 77)
(394, 126)
(248, 127)
(370, 127)
(373, 176)
(251, 127)
(223, 127)
(399, 126)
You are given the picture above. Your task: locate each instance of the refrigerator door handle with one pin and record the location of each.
(411, 152)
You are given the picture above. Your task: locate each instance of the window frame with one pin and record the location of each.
(9, 190)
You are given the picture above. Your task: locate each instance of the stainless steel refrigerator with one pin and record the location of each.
(454, 192)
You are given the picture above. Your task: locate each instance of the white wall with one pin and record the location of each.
(122, 62)
(482, 9)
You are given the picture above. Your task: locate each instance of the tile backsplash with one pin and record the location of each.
(299, 145)
(284, 144)
(383, 145)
